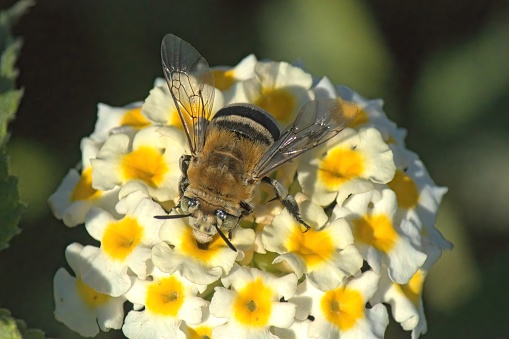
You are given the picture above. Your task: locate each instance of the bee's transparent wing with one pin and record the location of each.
(191, 85)
(317, 122)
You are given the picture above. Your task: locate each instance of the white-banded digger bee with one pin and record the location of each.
(235, 150)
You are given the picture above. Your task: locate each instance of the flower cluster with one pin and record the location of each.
(369, 201)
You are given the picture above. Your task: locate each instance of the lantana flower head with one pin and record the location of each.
(367, 237)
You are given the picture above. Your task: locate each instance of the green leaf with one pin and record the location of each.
(10, 206)
(11, 328)
(9, 102)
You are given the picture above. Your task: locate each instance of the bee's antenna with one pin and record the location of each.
(221, 234)
(175, 216)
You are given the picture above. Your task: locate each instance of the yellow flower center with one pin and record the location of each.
(165, 297)
(121, 238)
(253, 305)
(405, 189)
(83, 189)
(278, 102)
(205, 255)
(146, 164)
(200, 332)
(339, 166)
(360, 119)
(89, 296)
(314, 247)
(135, 119)
(175, 120)
(342, 307)
(376, 230)
(413, 289)
(223, 79)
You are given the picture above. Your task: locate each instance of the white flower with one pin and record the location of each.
(325, 254)
(226, 78)
(418, 197)
(75, 196)
(110, 118)
(80, 307)
(347, 164)
(342, 312)
(378, 236)
(160, 107)
(279, 88)
(168, 300)
(125, 244)
(370, 112)
(200, 265)
(253, 305)
(406, 299)
(151, 157)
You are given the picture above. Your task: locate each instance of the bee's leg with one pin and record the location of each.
(247, 208)
(184, 180)
(287, 200)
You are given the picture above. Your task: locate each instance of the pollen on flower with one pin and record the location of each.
(190, 247)
(223, 80)
(340, 165)
(165, 297)
(375, 230)
(405, 189)
(314, 247)
(121, 237)
(89, 296)
(360, 119)
(135, 119)
(83, 189)
(342, 307)
(278, 102)
(253, 305)
(146, 164)
(413, 289)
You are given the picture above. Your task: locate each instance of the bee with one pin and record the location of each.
(236, 149)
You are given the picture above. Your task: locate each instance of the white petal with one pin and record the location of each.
(141, 325)
(167, 260)
(283, 314)
(104, 275)
(222, 302)
(69, 308)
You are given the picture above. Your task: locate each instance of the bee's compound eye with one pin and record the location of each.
(187, 203)
(221, 214)
(227, 220)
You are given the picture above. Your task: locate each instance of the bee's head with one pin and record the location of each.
(206, 220)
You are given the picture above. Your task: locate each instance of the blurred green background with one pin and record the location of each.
(442, 68)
